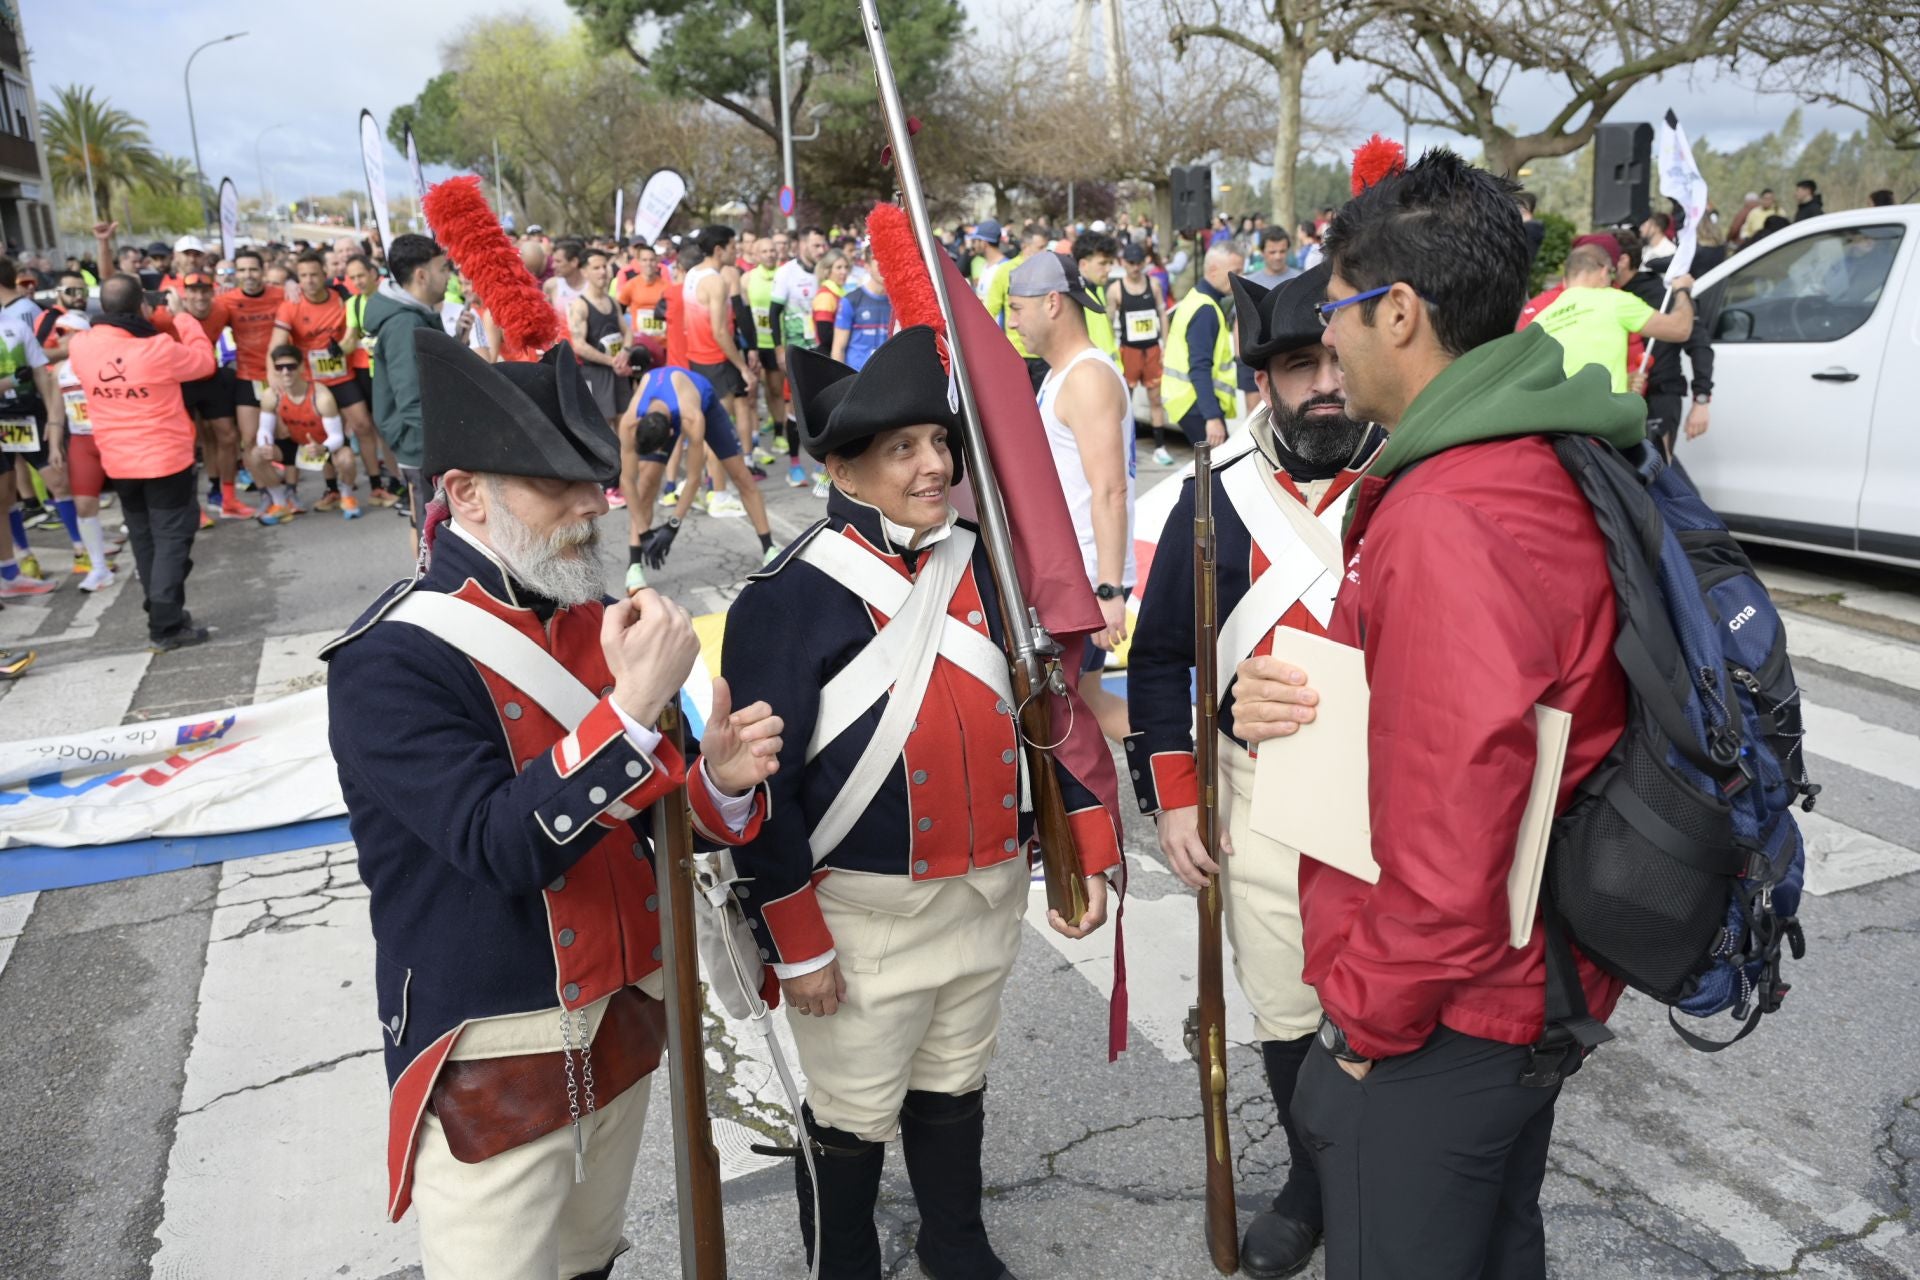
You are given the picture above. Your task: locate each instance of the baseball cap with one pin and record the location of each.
(1098, 226)
(988, 230)
(1046, 273)
(534, 229)
(1606, 243)
(1131, 252)
(189, 244)
(196, 279)
(159, 246)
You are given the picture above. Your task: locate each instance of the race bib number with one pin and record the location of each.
(78, 423)
(367, 343)
(325, 365)
(1142, 326)
(19, 435)
(654, 325)
(763, 320)
(312, 457)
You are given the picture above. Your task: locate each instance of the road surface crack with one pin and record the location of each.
(311, 1068)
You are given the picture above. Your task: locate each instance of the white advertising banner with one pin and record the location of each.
(229, 218)
(207, 774)
(658, 199)
(373, 156)
(419, 182)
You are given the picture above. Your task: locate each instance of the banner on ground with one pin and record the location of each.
(1680, 181)
(419, 182)
(229, 218)
(661, 195)
(373, 157)
(207, 774)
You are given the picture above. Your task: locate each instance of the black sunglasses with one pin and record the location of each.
(287, 368)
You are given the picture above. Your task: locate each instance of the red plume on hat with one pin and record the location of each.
(1374, 159)
(898, 252)
(465, 224)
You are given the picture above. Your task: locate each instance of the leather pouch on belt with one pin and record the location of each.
(490, 1105)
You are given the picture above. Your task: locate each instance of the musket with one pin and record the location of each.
(696, 1164)
(1207, 1020)
(1035, 656)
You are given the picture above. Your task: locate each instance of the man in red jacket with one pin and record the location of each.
(1477, 585)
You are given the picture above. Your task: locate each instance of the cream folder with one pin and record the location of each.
(1310, 788)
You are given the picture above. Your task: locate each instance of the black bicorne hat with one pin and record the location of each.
(903, 384)
(1280, 319)
(515, 418)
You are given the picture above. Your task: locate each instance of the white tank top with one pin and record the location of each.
(563, 296)
(1073, 475)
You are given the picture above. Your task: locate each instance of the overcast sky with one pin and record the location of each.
(295, 85)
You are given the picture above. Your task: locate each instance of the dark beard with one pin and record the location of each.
(1319, 442)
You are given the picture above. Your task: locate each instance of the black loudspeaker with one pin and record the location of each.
(1622, 172)
(1192, 198)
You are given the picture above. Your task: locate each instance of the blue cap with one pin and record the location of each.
(989, 230)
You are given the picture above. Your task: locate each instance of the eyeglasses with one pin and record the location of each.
(74, 288)
(1326, 309)
(287, 368)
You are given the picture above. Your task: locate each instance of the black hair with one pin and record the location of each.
(408, 253)
(1766, 191)
(1880, 199)
(653, 433)
(73, 273)
(314, 256)
(1270, 234)
(1629, 241)
(285, 351)
(1449, 231)
(255, 254)
(1809, 184)
(1526, 200)
(121, 295)
(809, 230)
(1091, 243)
(593, 251)
(363, 260)
(573, 246)
(713, 238)
(1663, 221)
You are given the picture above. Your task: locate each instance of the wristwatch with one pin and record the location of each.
(673, 522)
(1334, 1041)
(1699, 398)
(1107, 591)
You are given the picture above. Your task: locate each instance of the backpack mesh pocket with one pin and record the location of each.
(1642, 914)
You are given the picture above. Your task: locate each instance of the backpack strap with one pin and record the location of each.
(1571, 1032)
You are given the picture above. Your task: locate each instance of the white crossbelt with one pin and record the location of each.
(495, 644)
(1304, 560)
(899, 659)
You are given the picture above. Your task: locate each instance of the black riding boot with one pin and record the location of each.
(849, 1170)
(1280, 1240)
(941, 1134)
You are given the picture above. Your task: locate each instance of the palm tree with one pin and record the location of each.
(82, 131)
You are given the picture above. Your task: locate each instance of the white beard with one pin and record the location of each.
(565, 566)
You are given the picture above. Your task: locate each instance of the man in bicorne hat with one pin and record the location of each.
(887, 885)
(1278, 500)
(491, 721)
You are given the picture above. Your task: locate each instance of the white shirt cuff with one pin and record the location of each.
(735, 811)
(805, 967)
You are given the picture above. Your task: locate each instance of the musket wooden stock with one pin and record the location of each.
(1059, 851)
(1206, 1022)
(703, 1241)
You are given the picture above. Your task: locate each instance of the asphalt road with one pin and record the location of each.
(190, 1088)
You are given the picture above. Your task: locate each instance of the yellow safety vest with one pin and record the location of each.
(1178, 393)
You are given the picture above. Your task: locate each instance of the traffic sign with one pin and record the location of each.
(786, 200)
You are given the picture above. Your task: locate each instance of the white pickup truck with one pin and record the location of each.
(1815, 438)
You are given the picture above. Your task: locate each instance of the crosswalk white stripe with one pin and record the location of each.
(1861, 652)
(76, 696)
(289, 664)
(1846, 739)
(1839, 857)
(13, 919)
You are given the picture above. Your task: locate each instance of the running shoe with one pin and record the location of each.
(383, 498)
(349, 507)
(82, 562)
(24, 588)
(636, 578)
(34, 514)
(213, 491)
(277, 513)
(615, 500)
(14, 665)
(669, 494)
(180, 639)
(758, 470)
(771, 554)
(30, 565)
(95, 580)
(1162, 458)
(237, 510)
(206, 519)
(797, 477)
(243, 479)
(724, 506)
(329, 501)
(764, 457)
(821, 485)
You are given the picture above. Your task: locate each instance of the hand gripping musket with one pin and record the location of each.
(1206, 1021)
(1036, 655)
(696, 1164)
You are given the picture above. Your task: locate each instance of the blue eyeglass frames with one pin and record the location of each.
(1326, 309)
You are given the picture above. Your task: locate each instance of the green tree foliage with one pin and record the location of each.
(81, 130)
(1554, 248)
(438, 132)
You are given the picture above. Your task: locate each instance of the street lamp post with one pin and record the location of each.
(786, 107)
(186, 77)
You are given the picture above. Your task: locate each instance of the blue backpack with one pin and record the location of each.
(1678, 866)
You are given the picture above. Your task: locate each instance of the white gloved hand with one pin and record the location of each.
(269, 426)
(336, 434)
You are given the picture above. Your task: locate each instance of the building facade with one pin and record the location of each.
(26, 194)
